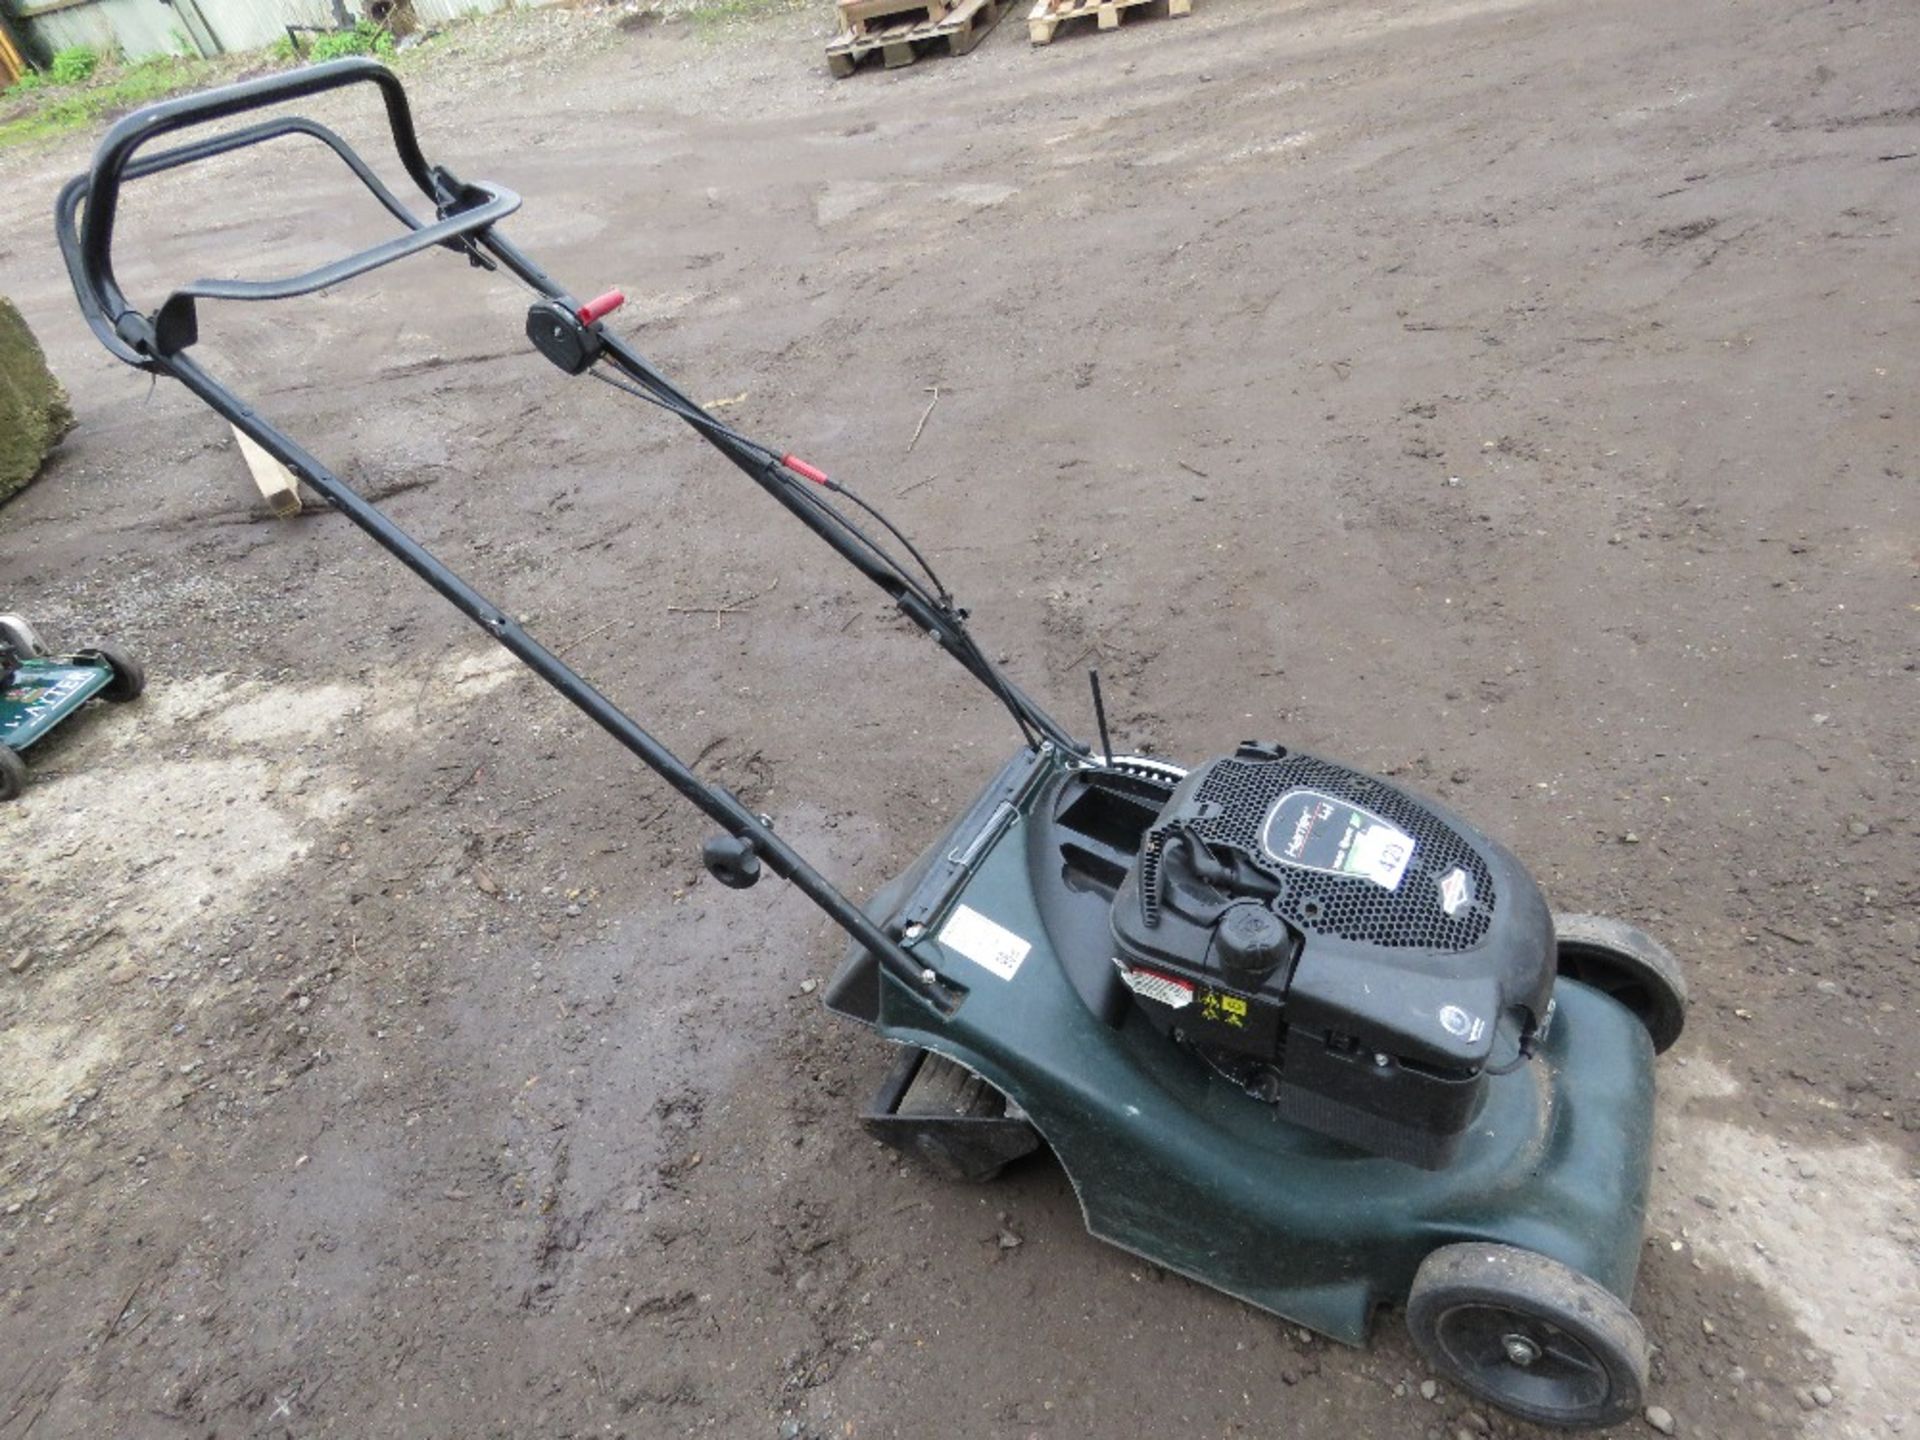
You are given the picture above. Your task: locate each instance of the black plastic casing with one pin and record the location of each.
(561, 336)
(1380, 1027)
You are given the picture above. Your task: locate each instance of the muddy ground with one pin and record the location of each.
(1515, 397)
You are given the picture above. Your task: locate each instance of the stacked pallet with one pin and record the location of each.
(901, 31)
(1049, 15)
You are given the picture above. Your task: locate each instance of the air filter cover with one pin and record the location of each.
(1348, 950)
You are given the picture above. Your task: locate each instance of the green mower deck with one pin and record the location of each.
(42, 692)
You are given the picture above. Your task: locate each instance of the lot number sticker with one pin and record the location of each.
(989, 945)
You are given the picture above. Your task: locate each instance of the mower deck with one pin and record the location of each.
(45, 691)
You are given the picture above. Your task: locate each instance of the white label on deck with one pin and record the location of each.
(989, 945)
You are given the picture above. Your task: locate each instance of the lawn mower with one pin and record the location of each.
(39, 691)
(1292, 1031)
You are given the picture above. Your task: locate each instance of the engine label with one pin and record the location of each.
(1315, 831)
(1176, 994)
(987, 943)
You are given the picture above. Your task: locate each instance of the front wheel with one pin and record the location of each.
(1627, 965)
(1529, 1334)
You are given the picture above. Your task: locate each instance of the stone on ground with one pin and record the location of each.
(33, 408)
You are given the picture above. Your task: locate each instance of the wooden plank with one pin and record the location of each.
(961, 41)
(276, 483)
(12, 64)
(859, 17)
(899, 44)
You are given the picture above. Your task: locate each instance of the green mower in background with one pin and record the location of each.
(40, 690)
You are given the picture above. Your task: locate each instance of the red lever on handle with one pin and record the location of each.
(804, 470)
(601, 306)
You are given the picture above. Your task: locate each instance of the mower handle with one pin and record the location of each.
(86, 240)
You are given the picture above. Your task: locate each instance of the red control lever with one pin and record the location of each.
(600, 306)
(801, 468)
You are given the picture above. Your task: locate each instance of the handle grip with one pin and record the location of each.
(87, 238)
(146, 125)
(600, 307)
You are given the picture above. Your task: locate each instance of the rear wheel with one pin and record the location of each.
(1628, 965)
(1529, 1334)
(129, 675)
(13, 773)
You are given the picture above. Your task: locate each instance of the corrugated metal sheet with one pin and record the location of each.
(139, 28)
(438, 12)
(251, 24)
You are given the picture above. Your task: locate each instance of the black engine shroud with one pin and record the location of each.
(1355, 955)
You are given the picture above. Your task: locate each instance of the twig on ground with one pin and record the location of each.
(125, 1306)
(29, 1379)
(726, 607)
(582, 638)
(45, 1401)
(472, 775)
(934, 390)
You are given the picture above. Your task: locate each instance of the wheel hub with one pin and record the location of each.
(1520, 1350)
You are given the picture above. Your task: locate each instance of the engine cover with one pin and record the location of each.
(1353, 954)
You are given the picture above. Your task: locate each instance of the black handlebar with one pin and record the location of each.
(86, 240)
(465, 216)
(149, 124)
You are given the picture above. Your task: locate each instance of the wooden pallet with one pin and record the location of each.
(866, 17)
(1049, 15)
(902, 43)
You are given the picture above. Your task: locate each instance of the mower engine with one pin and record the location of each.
(1356, 957)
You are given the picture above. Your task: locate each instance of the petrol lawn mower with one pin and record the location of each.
(1293, 1031)
(39, 691)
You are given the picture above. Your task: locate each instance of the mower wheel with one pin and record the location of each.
(22, 636)
(1529, 1334)
(129, 675)
(13, 773)
(1628, 965)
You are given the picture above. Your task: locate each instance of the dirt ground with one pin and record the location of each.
(1514, 396)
